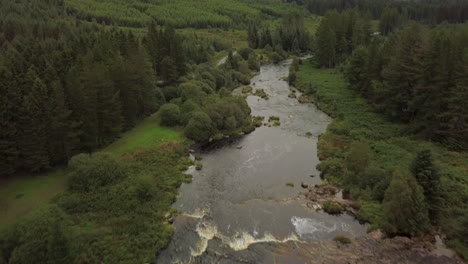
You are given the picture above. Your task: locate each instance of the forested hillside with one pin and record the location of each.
(430, 11)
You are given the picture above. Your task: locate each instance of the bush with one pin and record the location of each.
(170, 114)
(333, 207)
(292, 78)
(290, 184)
(342, 239)
(91, 172)
(199, 166)
(245, 52)
(358, 158)
(247, 89)
(199, 128)
(273, 118)
(39, 238)
(261, 93)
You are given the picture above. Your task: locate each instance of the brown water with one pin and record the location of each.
(239, 205)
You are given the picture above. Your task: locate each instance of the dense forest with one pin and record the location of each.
(416, 75)
(75, 75)
(430, 11)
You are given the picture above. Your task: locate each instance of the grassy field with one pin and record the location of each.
(20, 195)
(392, 143)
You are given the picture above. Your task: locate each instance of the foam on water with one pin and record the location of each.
(206, 232)
(244, 240)
(309, 226)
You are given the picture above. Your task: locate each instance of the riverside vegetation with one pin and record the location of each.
(77, 77)
(397, 145)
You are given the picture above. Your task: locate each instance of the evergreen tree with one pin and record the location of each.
(9, 100)
(428, 177)
(404, 205)
(252, 37)
(325, 42)
(389, 21)
(33, 125)
(357, 72)
(403, 75)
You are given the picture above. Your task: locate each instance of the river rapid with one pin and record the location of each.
(238, 207)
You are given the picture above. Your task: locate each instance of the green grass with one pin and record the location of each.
(392, 143)
(147, 134)
(20, 195)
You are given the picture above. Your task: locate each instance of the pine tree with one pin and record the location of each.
(357, 71)
(403, 75)
(33, 125)
(428, 177)
(404, 205)
(9, 100)
(389, 21)
(252, 37)
(325, 45)
(168, 70)
(60, 148)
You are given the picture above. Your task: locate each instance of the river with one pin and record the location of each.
(238, 207)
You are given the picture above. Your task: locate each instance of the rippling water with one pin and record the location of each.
(240, 197)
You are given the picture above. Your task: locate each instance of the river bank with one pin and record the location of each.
(390, 142)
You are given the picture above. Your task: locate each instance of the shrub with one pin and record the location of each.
(273, 118)
(199, 128)
(333, 207)
(290, 184)
(247, 89)
(91, 172)
(261, 93)
(199, 166)
(245, 52)
(39, 238)
(198, 157)
(358, 158)
(170, 114)
(342, 239)
(292, 78)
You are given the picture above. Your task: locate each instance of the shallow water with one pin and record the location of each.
(240, 197)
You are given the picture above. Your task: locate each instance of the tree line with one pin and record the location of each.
(434, 11)
(418, 76)
(290, 35)
(67, 89)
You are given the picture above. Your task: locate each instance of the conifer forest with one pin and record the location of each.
(232, 131)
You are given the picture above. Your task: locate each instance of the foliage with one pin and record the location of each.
(290, 35)
(170, 114)
(417, 76)
(339, 34)
(427, 175)
(40, 238)
(435, 11)
(332, 207)
(358, 157)
(357, 120)
(404, 205)
(90, 172)
(342, 239)
(200, 127)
